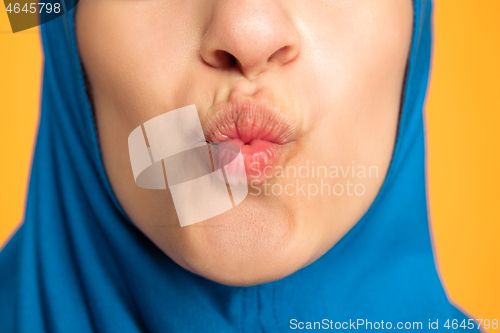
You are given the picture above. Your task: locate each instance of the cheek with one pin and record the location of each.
(361, 53)
(138, 55)
(357, 61)
(120, 56)
(131, 61)
(353, 78)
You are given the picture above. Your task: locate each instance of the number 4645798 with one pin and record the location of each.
(49, 8)
(472, 323)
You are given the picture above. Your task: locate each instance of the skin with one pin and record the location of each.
(335, 68)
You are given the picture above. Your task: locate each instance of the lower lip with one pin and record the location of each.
(260, 157)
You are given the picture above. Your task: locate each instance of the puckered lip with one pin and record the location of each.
(262, 132)
(246, 121)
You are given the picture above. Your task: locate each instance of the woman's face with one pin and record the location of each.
(310, 89)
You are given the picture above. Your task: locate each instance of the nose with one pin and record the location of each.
(249, 35)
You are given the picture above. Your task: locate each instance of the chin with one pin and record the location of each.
(248, 245)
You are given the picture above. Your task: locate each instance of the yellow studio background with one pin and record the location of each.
(20, 88)
(463, 127)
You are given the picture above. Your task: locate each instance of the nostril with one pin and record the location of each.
(283, 55)
(225, 59)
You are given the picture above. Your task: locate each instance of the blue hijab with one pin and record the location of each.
(78, 264)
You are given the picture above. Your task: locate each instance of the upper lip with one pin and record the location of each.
(248, 120)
